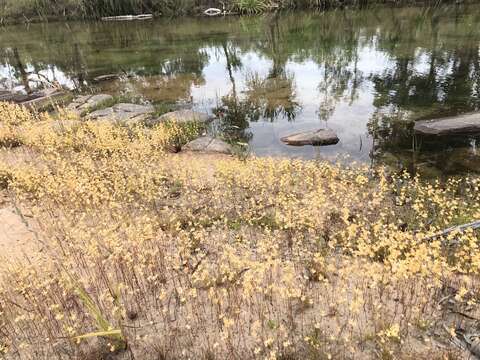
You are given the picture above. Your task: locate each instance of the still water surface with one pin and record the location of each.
(366, 74)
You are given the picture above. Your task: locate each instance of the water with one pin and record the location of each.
(366, 74)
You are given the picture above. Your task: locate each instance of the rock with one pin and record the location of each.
(18, 97)
(122, 113)
(5, 95)
(100, 114)
(455, 125)
(313, 137)
(461, 160)
(182, 117)
(38, 100)
(45, 98)
(133, 108)
(86, 102)
(208, 144)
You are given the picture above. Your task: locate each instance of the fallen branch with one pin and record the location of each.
(459, 228)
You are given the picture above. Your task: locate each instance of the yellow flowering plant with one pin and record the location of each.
(207, 256)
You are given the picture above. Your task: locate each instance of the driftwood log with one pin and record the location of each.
(128, 17)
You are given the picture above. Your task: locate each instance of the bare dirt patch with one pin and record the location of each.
(17, 237)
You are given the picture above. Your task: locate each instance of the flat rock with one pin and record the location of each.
(37, 99)
(43, 102)
(312, 137)
(84, 103)
(18, 97)
(182, 117)
(455, 125)
(5, 95)
(208, 144)
(126, 107)
(122, 113)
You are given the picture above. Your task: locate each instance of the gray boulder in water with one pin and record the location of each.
(455, 125)
(312, 137)
(208, 144)
(123, 113)
(38, 100)
(182, 117)
(84, 103)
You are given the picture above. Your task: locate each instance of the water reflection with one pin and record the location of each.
(367, 74)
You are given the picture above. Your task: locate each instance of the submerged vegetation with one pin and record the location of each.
(44, 9)
(152, 255)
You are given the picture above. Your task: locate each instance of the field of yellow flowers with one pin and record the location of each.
(147, 254)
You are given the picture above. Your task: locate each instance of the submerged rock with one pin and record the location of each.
(209, 144)
(456, 125)
(313, 137)
(87, 102)
(428, 170)
(122, 113)
(182, 117)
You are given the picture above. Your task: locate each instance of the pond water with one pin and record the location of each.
(366, 74)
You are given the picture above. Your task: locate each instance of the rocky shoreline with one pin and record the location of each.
(105, 108)
(96, 107)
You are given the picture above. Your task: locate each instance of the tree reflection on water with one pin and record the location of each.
(294, 71)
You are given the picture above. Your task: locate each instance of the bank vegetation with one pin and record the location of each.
(42, 10)
(139, 253)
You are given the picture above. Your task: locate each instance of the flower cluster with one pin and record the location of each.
(202, 256)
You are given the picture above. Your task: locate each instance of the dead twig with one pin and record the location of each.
(459, 228)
